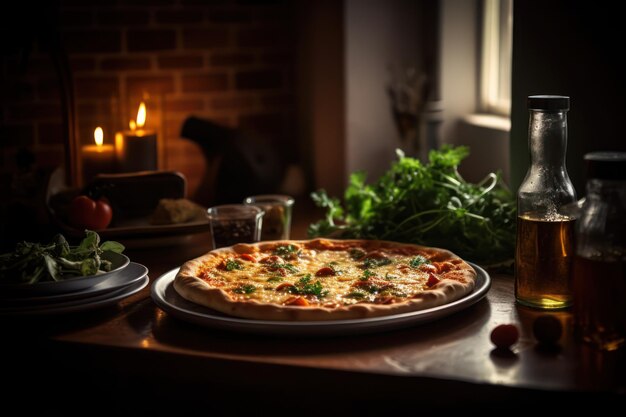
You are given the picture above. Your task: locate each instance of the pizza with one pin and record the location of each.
(323, 279)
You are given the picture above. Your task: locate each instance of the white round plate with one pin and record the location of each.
(132, 273)
(118, 260)
(166, 297)
(83, 304)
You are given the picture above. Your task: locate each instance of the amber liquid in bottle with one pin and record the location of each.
(543, 261)
(600, 302)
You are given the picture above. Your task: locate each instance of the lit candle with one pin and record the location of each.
(137, 149)
(98, 158)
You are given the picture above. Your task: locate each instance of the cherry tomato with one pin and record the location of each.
(297, 301)
(504, 336)
(285, 286)
(432, 280)
(325, 272)
(85, 213)
(247, 257)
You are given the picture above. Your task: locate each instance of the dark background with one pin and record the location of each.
(571, 48)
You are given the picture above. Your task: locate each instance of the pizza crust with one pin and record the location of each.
(454, 285)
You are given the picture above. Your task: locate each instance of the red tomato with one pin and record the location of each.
(432, 280)
(504, 336)
(85, 213)
(247, 257)
(325, 272)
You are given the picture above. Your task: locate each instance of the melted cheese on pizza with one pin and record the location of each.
(290, 274)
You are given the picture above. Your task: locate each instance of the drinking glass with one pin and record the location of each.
(235, 223)
(277, 219)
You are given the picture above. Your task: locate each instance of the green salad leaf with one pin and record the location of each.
(56, 261)
(428, 204)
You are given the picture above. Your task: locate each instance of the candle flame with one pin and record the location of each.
(141, 115)
(132, 125)
(98, 136)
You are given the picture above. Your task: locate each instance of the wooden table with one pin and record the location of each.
(135, 357)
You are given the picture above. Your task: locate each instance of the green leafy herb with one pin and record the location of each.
(245, 289)
(372, 289)
(275, 279)
(305, 287)
(315, 289)
(373, 263)
(366, 274)
(333, 211)
(356, 254)
(112, 246)
(428, 204)
(286, 250)
(305, 279)
(56, 261)
(417, 261)
(356, 294)
(232, 265)
(287, 266)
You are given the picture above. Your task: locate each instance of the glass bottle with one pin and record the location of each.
(599, 271)
(545, 202)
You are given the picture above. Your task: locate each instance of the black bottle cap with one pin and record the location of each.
(606, 165)
(548, 102)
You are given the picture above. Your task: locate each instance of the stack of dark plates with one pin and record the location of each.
(75, 294)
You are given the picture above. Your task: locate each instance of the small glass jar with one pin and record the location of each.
(599, 272)
(277, 218)
(235, 223)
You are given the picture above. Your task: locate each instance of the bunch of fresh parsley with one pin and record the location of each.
(428, 204)
(56, 261)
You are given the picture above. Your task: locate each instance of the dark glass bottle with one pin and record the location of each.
(545, 223)
(599, 271)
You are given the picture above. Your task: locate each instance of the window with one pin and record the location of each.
(495, 73)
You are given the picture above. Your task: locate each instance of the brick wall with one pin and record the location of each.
(228, 61)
